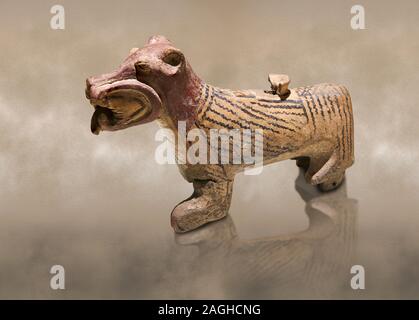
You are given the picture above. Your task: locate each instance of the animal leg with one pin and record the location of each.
(331, 173)
(209, 202)
(333, 182)
(302, 162)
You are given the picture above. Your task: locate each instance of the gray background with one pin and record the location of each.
(100, 206)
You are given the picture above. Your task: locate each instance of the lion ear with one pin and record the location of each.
(158, 39)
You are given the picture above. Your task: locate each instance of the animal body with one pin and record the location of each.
(312, 125)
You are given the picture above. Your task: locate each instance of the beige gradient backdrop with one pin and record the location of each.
(100, 206)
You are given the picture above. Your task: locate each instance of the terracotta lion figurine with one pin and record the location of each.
(312, 125)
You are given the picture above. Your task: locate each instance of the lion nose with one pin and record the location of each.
(94, 83)
(89, 84)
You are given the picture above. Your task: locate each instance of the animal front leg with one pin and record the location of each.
(209, 202)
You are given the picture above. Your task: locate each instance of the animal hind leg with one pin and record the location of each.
(332, 182)
(302, 162)
(331, 174)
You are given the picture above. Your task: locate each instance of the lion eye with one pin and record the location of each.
(173, 58)
(142, 68)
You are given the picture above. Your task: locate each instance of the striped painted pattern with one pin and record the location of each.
(309, 113)
(329, 109)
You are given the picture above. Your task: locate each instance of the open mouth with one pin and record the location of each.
(102, 118)
(124, 104)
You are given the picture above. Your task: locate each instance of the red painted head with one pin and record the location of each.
(154, 82)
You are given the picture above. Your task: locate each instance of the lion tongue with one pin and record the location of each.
(94, 123)
(102, 119)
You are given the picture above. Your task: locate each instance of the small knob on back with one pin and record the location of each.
(279, 85)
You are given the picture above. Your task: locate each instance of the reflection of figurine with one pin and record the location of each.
(314, 262)
(313, 124)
